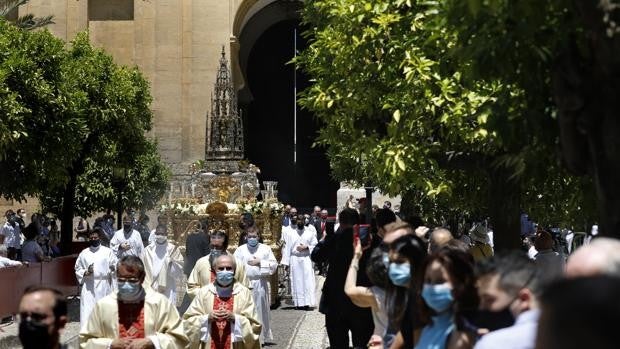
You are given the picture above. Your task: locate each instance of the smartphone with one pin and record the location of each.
(362, 232)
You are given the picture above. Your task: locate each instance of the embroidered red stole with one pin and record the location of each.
(136, 316)
(221, 330)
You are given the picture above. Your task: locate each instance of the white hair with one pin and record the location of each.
(225, 255)
(610, 249)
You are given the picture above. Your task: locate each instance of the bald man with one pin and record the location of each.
(439, 237)
(600, 257)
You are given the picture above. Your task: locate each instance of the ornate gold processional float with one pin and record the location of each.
(220, 188)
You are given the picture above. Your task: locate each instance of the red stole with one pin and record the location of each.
(221, 330)
(136, 316)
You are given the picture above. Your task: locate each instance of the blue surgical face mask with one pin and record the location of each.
(400, 273)
(252, 242)
(130, 291)
(438, 297)
(224, 277)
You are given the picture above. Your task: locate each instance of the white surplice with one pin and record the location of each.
(163, 264)
(97, 285)
(259, 279)
(301, 273)
(134, 240)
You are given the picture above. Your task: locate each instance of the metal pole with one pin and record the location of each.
(368, 212)
(295, 98)
(119, 208)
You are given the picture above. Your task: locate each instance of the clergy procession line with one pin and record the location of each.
(134, 304)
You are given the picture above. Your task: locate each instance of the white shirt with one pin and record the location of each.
(134, 240)
(5, 262)
(521, 335)
(12, 235)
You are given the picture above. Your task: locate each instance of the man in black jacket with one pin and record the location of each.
(341, 315)
(197, 245)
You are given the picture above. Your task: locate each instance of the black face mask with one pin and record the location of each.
(494, 320)
(95, 243)
(34, 335)
(300, 225)
(127, 228)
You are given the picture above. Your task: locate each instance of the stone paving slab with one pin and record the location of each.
(310, 332)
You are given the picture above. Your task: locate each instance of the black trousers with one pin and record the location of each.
(340, 321)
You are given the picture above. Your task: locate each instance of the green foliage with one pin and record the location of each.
(386, 99)
(28, 21)
(429, 97)
(39, 128)
(68, 117)
(95, 191)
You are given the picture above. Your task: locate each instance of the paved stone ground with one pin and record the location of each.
(307, 332)
(292, 329)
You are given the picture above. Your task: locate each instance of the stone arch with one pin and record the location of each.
(251, 19)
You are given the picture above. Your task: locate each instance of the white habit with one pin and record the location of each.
(259, 279)
(301, 273)
(163, 264)
(134, 240)
(98, 284)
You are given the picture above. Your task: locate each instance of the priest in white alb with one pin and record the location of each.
(127, 241)
(135, 317)
(260, 264)
(203, 273)
(222, 314)
(163, 263)
(94, 270)
(298, 245)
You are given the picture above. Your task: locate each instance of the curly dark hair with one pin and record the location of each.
(376, 269)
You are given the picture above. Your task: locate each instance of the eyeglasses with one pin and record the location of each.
(131, 280)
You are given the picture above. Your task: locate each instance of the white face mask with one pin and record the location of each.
(161, 239)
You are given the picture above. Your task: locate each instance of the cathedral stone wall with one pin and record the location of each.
(175, 43)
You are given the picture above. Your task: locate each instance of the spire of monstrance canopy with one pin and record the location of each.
(226, 133)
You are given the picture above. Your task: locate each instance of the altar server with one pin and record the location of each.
(127, 241)
(260, 264)
(298, 245)
(94, 270)
(163, 264)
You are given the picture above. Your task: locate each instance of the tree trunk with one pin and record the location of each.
(504, 208)
(66, 218)
(586, 91)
